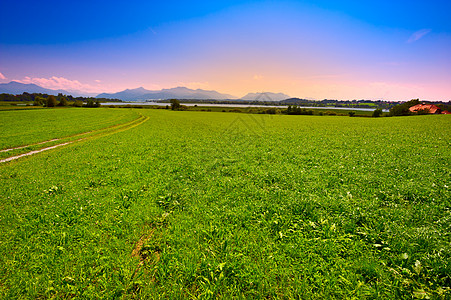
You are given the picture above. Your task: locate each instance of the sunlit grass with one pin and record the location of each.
(24, 127)
(194, 204)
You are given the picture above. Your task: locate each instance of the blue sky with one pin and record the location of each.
(315, 49)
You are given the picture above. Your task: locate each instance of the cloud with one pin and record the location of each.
(258, 77)
(98, 81)
(418, 35)
(57, 83)
(2, 76)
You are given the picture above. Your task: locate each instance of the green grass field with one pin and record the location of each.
(224, 205)
(24, 127)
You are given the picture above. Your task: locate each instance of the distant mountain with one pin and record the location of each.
(141, 94)
(15, 88)
(265, 96)
(126, 95)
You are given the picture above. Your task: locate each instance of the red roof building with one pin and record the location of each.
(433, 109)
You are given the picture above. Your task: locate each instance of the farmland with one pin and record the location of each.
(23, 127)
(192, 204)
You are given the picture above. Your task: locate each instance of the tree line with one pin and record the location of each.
(52, 101)
(290, 110)
(46, 100)
(297, 102)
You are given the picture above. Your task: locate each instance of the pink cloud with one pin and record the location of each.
(2, 76)
(418, 35)
(62, 83)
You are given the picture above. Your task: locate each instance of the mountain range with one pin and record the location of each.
(15, 88)
(266, 96)
(141, 94)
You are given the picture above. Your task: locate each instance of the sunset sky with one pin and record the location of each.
(390, 50)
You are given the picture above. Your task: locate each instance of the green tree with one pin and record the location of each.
(377, 113)
(175, 104)
(78, 103)
(92, 103)
(26, 97)
(51, 101)
(399, 110)
(63, 101)
(412, 102)
(39, 101)
(271, 111)
(289, 110)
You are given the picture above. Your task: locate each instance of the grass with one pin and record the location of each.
(221, 205)
(25, 127)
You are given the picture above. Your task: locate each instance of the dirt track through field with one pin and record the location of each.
(21, 147)
(98, 133)
(34, 152)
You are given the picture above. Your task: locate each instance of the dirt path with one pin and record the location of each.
(34, 152)
(21, 147)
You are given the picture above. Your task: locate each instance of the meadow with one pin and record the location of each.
(24, 127)
(186, 204)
